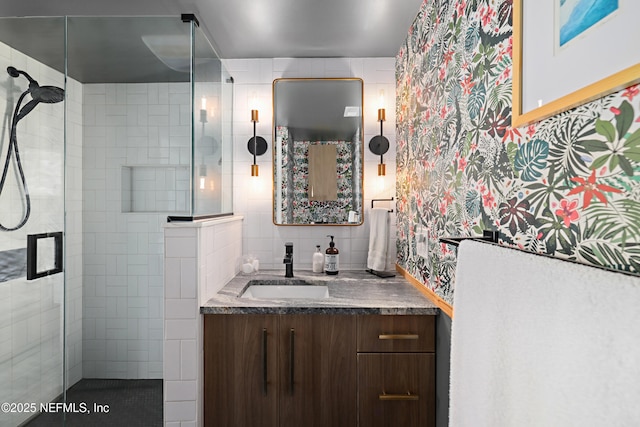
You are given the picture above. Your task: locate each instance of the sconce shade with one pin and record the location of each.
(254, 170)
(382, 169)
(381, 115)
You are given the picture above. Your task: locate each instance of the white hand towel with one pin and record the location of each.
(378, 239)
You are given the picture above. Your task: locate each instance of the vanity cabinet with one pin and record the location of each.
(396, 371)
(279, 370)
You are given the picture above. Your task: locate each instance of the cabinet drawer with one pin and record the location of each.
(396, 333)
(396, 389)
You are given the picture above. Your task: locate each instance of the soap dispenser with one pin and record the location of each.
(331, 262)
(318, 260)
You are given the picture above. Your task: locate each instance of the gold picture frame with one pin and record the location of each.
(614, 82)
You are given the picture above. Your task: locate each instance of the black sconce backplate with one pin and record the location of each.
(379, 145)
(260, 144)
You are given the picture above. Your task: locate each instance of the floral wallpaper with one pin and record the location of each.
(568, 186)
(296, 208)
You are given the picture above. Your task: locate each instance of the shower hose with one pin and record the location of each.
(13, 148)
(46, 94)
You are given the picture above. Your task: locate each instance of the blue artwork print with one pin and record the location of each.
(577, 16)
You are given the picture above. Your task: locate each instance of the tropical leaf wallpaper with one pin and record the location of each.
(568, 186)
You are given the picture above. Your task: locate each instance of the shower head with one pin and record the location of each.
(47, 94)
(13, 72)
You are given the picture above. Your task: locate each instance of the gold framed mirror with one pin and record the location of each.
(318, 151)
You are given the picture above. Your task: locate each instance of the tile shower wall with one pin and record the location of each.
(31, 311)
(253, 196)
(144, 127)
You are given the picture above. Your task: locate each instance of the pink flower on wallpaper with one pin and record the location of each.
(631, 92)
(510, 134)
(509, 49)
(568, 211)
(448, 57)
(467, 84)
(531, 130)
(591, 189)
(462, 163)
(460, 7)
(615, 111)
(488, 200)
(442, 73)
(448, 197)
(443, 208)
(486, 15)
(443, 112)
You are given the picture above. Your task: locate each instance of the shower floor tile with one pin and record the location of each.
(130, 403)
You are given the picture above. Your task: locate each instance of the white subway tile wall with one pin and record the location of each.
(139, 131)
(253, 196)
(200, 258)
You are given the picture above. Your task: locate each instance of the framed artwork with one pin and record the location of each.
(569, 52)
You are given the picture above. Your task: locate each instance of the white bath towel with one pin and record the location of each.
(378, 239)
(538, 341)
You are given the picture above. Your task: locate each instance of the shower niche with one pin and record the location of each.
(155, 189)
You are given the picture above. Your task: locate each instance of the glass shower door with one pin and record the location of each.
(32, 206)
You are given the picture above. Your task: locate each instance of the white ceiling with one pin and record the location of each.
(264, 28)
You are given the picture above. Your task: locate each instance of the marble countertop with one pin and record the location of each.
(350, 292)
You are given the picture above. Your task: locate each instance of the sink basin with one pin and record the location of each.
(285, 291)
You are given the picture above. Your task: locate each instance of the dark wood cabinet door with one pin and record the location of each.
(317, 370)
(396, 389)
(240, 370)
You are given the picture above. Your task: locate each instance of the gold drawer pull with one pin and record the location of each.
(398, 336)
(408, 396)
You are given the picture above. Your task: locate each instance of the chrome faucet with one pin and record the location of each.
(288, 259)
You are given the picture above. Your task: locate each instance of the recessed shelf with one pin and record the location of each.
(155, 188)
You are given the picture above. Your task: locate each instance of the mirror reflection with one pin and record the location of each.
(317, 151)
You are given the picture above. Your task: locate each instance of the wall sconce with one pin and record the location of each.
(256, 145)
(379, 144)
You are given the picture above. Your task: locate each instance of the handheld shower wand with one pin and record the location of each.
(46, 94)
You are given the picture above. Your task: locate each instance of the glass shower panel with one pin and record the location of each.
(32, 208)
(227, 141)
(212, 97)
(136, 155)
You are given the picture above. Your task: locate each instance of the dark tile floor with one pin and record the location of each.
(130, 403)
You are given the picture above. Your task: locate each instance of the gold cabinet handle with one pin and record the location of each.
(408, 396)
(398, 336)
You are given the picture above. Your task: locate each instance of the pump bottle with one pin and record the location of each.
(331, 260)
(318, 260)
